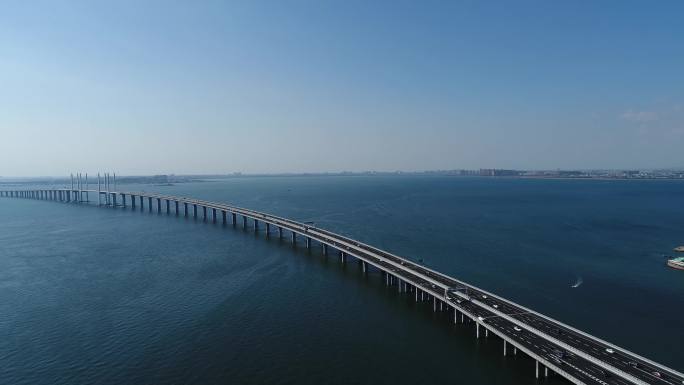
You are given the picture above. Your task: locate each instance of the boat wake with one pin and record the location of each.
(578, 282)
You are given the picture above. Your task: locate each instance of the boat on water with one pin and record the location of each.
(676, 263)
(680, 249)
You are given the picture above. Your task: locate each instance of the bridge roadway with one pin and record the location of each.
(579, 357)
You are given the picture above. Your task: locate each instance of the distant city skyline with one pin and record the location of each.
(309, 87)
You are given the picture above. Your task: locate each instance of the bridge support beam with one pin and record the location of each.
(223, 214)
(256, 225)
(294, 238)
(477, 330)
(185, 208)
(158, 205)
(194, 211)
(364, 267)
(308, 243)
(133, 202)
(234, 218)
(213, 215)
(142, 205)
(176, 202)
(268, 229)
(149, 204)
(204, 212)
(515, 351)
(546, 371)
(244, 222)
(123, 199)
(504, 348)
(536, 369)
(168, 206)
(325, 249)
(343, 256)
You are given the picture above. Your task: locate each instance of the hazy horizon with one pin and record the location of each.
(308, 87)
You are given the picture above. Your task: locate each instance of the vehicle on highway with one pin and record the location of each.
(517, 329)
(495, 306)
(609, 350)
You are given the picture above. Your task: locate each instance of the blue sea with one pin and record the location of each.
(96, 295)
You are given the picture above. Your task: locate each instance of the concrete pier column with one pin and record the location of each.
(308, 243)
(149, 204)
(504, 348)
(244, 222)
(455, 316)
(486, 332)
(280, 232)
(294, 238)
(536, 369)
(133, 201)
(176, 202)
(434, 304)
(114, 199)
(364, 267)
(422, 296)
(168, 206)
(515, 351)
(223, 215)
(325, 249)
(204, 212)
(477, 328)
(213, 215)
(416, 295)
(123, 199)
(268, 229)
(546, 371)
(399, 284)
(194, 211)
(256, 225)
(234, 218)
(185, 208)
(343, 256)
(158, 205)
(142, 204)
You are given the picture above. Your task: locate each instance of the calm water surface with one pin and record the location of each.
(93, 295)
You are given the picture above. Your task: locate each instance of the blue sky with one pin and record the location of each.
(307, 86)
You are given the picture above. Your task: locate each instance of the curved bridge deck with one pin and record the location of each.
(577, 356)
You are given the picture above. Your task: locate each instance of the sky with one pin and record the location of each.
(204, 87)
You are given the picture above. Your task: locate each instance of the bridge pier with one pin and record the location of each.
(536, 369)
(546, 371)
(434, 304)
(399, 284)
(158, 205)
(268, 229)
(185, 208)
(133, 202)
(223, 214)
(364, 267)
(325, 249)
(256, 225)
(149, 204)
(114, 199)
(194, 211)
(168, 206)
(213, 215)
(142, 204)
(343, 256)
(504, 348)
(477, 330)
(308, 243)
(244, 222)
(294, 238)
(123, 199)
(204, 212)
(234, 218)
(515, 351)
(176, 204)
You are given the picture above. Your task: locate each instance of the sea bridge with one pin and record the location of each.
(555, 347)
